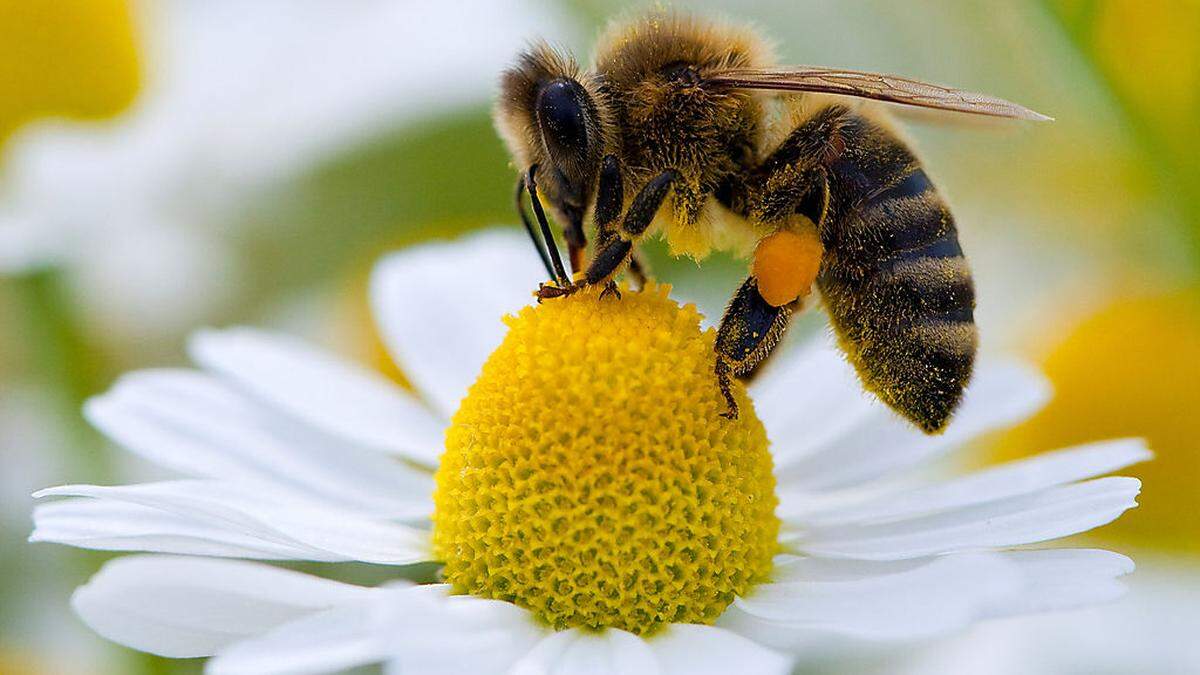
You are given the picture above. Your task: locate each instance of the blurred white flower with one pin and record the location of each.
(294, 454)
(239, 96)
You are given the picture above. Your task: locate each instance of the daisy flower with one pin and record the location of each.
(569, 470)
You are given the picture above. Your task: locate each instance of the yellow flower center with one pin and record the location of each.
(589, 477)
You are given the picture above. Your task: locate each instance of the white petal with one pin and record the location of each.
(1034, 581)
(809, 397)
(1026, 519)
(439, 307)
(1001, 394)
(687, 649)
(430, 632)
(327, 534)
(1057, 579)
(578, 652)
(194, 423)
(326, 642)
(1007, 480)
(317, 388)
(185, 607)
(900, 603)
(119, 526)
(792, 568)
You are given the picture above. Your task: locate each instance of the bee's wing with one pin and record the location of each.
(877, 86)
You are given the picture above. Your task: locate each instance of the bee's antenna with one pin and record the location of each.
(560, 274)
(533, 237)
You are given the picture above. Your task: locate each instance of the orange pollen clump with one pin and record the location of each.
(786, 264)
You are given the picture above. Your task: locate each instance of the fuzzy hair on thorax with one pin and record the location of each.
(653, 70)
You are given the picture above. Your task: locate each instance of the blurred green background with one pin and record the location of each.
(1084, 233)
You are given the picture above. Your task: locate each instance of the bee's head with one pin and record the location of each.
(552, 115)
(563, 112)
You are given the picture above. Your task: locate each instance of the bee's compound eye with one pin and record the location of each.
(562, 116)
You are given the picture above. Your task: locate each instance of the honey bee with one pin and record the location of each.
(684, 126)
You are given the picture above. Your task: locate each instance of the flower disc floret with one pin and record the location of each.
(589, 477)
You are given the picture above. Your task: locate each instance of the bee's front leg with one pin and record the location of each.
(615, 245)
(549, 291)
(615, 253)
(558, 274)
(606, 263)
(609, 199)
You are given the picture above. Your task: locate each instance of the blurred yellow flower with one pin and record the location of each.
(75, 58)
(1150, 51)
(1133, 369)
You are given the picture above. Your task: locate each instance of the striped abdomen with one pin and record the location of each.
(893, 276)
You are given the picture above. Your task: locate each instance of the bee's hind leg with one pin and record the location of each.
(750, 329)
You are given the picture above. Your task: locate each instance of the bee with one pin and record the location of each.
(686, 127)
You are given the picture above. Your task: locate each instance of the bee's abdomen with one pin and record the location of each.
(894, 278)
